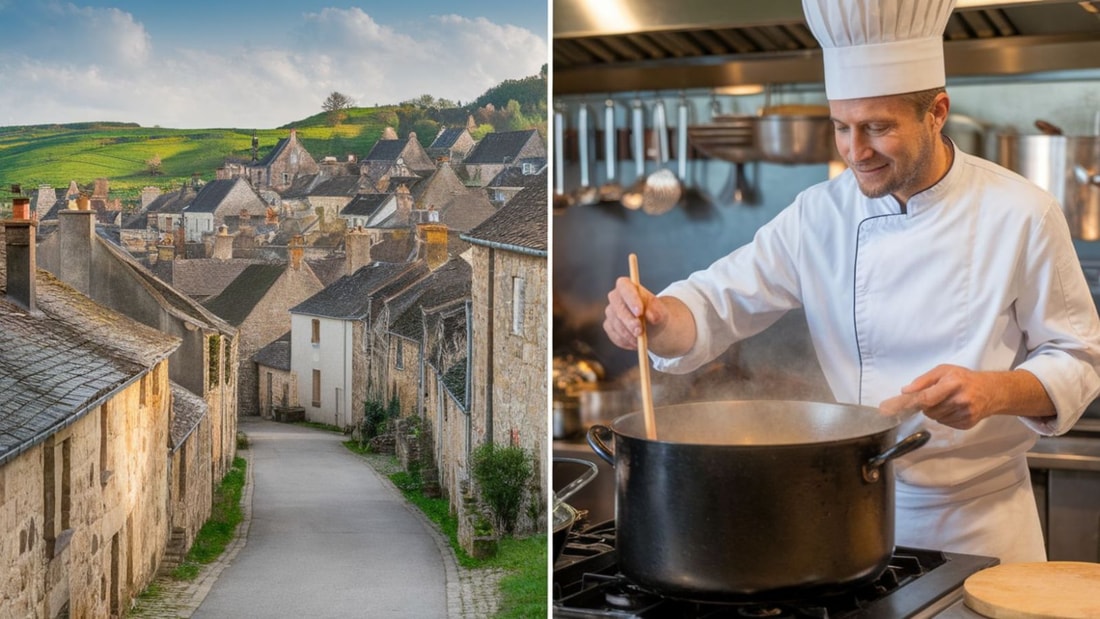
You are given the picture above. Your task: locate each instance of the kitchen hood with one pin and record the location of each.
(603, 46)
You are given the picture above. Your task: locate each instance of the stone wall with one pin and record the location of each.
(283, 392)
(517, 372)
(404, 380)
(101, 541)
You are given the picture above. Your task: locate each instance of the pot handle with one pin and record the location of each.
(872, 470)
(598, 445)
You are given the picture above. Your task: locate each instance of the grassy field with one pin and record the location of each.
(57, 154)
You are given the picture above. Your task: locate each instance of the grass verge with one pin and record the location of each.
(523, 588)
(219, 530)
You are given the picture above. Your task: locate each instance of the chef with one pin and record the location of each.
(937, 286)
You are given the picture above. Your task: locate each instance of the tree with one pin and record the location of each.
(336, 105)
(153, 165)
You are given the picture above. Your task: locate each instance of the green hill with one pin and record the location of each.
(121, 152)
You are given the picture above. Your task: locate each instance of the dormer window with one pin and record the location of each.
(529, 169)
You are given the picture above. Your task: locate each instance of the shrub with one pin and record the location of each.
(501, 474)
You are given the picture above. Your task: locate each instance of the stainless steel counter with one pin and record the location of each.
(1067, 453)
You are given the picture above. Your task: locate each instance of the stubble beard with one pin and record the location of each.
(907, 173)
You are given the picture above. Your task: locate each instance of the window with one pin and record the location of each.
(315, 338)
(399, 355)
(529, 169)
(104, 445)
(519, 286)
(316, 388)
(56, 494)
(286, 178)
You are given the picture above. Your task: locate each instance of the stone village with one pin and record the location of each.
(288, 287)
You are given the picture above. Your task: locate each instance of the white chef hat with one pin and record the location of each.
(879, 47)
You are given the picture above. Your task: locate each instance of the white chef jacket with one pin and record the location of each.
(978, 271)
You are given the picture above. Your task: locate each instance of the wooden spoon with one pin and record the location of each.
(643, 363)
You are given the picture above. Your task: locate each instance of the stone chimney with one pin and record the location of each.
(47, 197)
(356, 250)
(22, 264)
(296, 250)
(76, 233)
(179, 241)
(404, 205)
(166, 252)
(223, 244)
(148, 194)
(388, 134)
(434, 239)
(101, 188)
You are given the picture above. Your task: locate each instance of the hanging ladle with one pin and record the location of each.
(562, 200)
(663, 189)
(586, 194)
(632, 197)
(611, 190)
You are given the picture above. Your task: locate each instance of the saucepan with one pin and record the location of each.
(564, 515)
(762, 500)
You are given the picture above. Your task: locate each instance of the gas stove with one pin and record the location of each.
(917, 583)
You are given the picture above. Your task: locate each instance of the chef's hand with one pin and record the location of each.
(670, 327)
(622, 318)
(960, 398)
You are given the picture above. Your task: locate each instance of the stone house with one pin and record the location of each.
(509, 327)
(278, 385)
(451, 145)
(397, 339)
(516, 178)
(446, 388)
(438, 189)
(84, 415)
(496, 151)
(368, 210)
(329, 196)
(258, 304)
(396, 152)
(280, 167)
(221, 202)
(206, 359)
(330, 350)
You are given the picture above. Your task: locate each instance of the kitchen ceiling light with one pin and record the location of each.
(740, 89)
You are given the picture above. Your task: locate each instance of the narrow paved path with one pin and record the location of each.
(328, 538)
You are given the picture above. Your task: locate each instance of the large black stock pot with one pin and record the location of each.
(772, 500)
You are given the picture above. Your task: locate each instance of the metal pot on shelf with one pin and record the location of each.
(1066, 166)
(763, 499)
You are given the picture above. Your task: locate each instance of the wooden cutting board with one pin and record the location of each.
(1052, 590)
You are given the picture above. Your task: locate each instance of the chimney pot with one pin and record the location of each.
(82, 203)
(21, 209)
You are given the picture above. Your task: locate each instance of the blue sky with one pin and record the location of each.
(252, 63)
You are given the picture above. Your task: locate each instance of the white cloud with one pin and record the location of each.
(110, 69)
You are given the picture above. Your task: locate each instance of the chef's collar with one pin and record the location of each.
(873, 48)
(935, 194)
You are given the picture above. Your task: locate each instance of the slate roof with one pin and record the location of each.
(211, 196)
(454, 380)
(301, 186)
(276, 354)
(200, 278)
(447, 137)
(270, 156)
(499, 147)
(449, 282)
(328, 269)
(349, 297)
(513, 176)
(464, 212)
(337, 186)
(57, 365)
(365, 204)
(188, 411)
(395, 250)
(521, 224)
(386, 150)
(241, 296)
